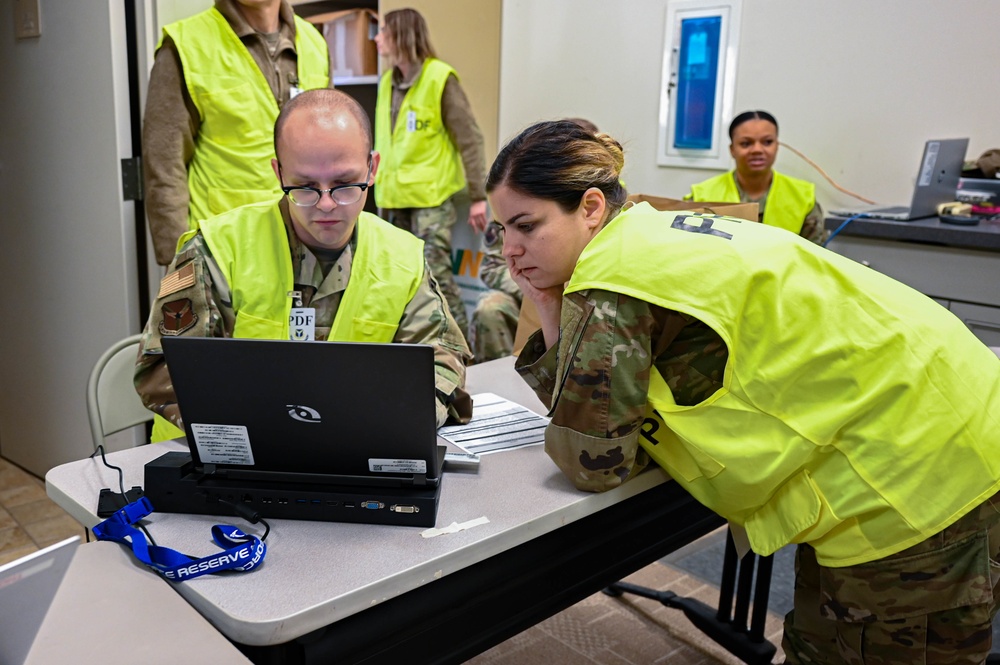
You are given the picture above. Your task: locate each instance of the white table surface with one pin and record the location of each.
(109, 609)
(316, 573)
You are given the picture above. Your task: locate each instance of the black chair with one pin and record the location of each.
(726, 625)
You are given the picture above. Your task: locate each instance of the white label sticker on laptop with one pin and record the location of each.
(222, 444)
(376, 465)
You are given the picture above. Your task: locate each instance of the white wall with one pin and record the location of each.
(67, 259)
(856, 85)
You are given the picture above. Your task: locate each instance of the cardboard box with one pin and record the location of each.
(738, 210)
(528, 321)
(350, 37)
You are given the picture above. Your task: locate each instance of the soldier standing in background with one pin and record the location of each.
(218, 81)
(312, 252)
(431, 147)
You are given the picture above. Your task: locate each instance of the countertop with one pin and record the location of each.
(984, 236)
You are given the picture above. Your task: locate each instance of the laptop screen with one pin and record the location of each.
(27, 588)
(273, 408)
(937, 180)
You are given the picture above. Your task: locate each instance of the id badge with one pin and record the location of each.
(411, 121)
(302, 324)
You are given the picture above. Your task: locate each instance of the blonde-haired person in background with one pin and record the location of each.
(431, 147)
(797, 393)
(783, 201)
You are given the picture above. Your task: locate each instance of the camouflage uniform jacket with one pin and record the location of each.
(202, 307)
(598, 393)
(493, 270)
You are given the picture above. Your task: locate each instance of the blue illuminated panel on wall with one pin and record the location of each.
(697, 77)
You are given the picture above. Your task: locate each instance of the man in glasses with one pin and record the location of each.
(310, 265)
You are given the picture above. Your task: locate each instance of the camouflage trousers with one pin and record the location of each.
(433, 226)
(494, 322)
(931, 603)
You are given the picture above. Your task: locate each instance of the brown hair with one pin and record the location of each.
(326, 99)
(583, 122)
(558, 161)
(410, 36)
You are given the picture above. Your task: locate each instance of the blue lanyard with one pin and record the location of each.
(241, 552)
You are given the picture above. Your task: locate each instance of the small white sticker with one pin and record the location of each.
(222, 444)
(930, 159)
(397, 466)
(411, 121)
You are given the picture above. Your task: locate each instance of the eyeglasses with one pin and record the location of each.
(306, 197)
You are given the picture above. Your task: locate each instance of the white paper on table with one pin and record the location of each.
(497, 424)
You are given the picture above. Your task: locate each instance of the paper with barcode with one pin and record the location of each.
(497, 424)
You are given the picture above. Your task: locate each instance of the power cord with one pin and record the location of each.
(840, 228)
(121, 486)
(246, 513)
(823, 173)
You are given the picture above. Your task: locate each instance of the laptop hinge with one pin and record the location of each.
(208, 469)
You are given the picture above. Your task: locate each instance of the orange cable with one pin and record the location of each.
(823, 173)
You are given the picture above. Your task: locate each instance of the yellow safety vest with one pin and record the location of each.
(231, 165)
(788, 201)
(250, 246)
(420, 167)
(856, 414)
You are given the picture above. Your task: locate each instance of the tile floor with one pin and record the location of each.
(598, 630)
(29, 520)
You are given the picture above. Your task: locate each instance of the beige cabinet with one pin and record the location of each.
(963, 280)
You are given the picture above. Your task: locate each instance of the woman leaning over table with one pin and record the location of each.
(802, 396)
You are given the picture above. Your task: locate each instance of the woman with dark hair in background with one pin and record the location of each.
(802, 396)
(431, 147)
(784, 201)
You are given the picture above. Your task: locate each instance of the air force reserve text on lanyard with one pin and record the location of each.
(301, 320)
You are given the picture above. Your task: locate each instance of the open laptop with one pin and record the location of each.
(27, 587)
(320, 412)
(937, 180)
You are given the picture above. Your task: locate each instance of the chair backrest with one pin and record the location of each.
(112, 403)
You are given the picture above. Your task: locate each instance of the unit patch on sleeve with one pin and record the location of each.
(177, 280)
(178, 317)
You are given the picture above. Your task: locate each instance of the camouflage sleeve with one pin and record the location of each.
(814, 226)
(170, 129)
(456, 114)
(193, 301)
(493, 270)
(426, 320)
(607, 345)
